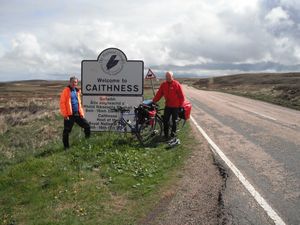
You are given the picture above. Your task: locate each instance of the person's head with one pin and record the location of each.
(73, 81)
(169, 76)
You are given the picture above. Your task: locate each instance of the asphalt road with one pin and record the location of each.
(263, 141)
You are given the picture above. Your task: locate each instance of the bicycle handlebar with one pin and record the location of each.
(153, 105)
(127, 109)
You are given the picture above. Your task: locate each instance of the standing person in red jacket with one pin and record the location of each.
(172, 91)
(72, 111)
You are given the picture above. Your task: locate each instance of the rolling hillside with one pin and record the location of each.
(278, 88)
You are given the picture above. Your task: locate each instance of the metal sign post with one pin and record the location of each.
(150, 76)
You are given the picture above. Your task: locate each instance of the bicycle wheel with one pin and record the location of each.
(118, 131)
(149, 131)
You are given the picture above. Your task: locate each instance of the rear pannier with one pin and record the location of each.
(185, 111)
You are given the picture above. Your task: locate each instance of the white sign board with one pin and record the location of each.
(112, 74)
(98, 113)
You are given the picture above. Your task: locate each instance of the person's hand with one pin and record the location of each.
(66, 118)
(154, 104)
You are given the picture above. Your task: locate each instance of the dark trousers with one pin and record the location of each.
(168, 112)
(68, 124)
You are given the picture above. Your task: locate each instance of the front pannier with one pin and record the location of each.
(145, 112)
(141, 114)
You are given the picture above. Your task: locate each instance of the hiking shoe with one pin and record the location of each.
(170, 140)
(175, 142)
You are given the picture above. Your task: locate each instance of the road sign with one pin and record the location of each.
(98, 113)
(112, 74)
(110, 81)
(150, 75)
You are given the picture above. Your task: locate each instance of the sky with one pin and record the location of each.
(49, 39)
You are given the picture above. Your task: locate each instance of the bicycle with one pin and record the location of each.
(183, 115)
(146, 127)
(151, 123)
(180, 122)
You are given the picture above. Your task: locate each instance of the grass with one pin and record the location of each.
(22, 140)
(97, 181)
(267, 96)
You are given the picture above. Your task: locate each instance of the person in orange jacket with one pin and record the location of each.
(171, 90)
(72, 111)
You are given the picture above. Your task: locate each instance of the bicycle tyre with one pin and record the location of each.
(118, 131)
(150, 131)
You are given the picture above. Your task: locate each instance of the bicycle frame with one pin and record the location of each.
(145, 131)
(122, 111)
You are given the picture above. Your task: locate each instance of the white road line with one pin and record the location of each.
(262, 115)
(259, 114)
(260, 200)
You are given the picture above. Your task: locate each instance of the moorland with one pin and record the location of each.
(97, 181)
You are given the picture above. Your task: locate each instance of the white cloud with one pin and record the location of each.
(25, 46)
(239, 6)
(284, 51)
(290, 3)
(277, 15)
(2, 50)
(44, 39)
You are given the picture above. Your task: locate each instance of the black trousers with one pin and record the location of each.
(68, 125)
(168, 113)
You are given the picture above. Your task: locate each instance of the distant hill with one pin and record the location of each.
(251, 79)
(278, 88)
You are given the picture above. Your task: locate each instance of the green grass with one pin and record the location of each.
(96, 182)
(267, 97)
(32, 138)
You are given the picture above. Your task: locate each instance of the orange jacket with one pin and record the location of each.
(172, 92)
(65, 102)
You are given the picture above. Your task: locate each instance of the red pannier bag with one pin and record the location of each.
(152, 114)
(185, 111)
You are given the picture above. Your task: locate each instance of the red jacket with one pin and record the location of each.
(65, 102)
(172, 92)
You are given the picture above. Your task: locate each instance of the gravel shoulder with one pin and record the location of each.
(196, 197)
